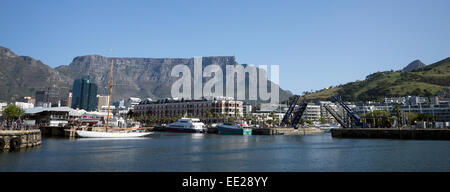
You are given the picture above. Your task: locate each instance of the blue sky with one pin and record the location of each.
(316, 43)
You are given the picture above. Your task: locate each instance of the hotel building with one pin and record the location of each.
(218, 107)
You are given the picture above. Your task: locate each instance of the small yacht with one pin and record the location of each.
(187, 125)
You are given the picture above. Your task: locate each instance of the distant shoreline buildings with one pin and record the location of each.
(84, 97)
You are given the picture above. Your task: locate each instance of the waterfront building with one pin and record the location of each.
(2, 106)
(26, 100)
(131, 102)
(263, 116)
(48, 117)
(213, 109)
(24, 105)
(395, 100)
(415, 100)
(84, 94)
(312, 112)
(324, 113)
(41, 98)
(104, 109)
(247, 109)
(47, 98)
(119, 111)
(441, 112)
(363, 109)
(63, 116)
(103, 101)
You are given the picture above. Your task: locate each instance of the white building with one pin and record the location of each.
(131, 102)
(267, 115)
(24, 105)
(324, 113)
(103, 101)
(247, 109)
(2, 106)
(218, 108)
(312, 112)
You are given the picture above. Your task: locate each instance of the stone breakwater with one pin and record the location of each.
(16, 139)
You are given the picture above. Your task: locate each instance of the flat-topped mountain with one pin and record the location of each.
(139, 77)
(133, 77)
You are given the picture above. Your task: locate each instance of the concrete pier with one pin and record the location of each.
(392, 133)
(16, 139)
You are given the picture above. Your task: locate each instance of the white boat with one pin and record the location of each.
(187, 125)
(113, 134)
(327, 127)
(101, 134)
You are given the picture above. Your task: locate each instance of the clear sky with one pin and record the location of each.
(316, 43)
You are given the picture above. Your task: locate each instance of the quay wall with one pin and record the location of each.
(392, 133)
(15, 139)
(267, 131)
(286, 131)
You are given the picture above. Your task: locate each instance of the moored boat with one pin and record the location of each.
(238, 128)
(102, 134)
(187, 125)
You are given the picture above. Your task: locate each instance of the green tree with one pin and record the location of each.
(398, 114)
(322, 120)
(12, 112)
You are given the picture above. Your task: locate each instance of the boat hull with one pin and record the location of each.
(97, 134)
(230, 130)
(186, 130)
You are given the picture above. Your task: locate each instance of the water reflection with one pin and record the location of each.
(103, 139)
(211, 152)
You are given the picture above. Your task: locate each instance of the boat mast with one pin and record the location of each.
(110, 90)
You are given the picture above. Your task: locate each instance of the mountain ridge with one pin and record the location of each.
(133, 76)
(423, 81)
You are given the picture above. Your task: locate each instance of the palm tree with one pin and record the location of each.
(209, 115)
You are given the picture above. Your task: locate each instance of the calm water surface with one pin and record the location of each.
(197, 152)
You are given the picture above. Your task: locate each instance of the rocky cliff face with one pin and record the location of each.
(133, 77)
(138, 77)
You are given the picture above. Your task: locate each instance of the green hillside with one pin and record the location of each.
(426, 81)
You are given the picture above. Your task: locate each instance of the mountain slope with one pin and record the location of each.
(22, 75)
(424, 81)
(139, 77)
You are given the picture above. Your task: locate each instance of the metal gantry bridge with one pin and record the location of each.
(353, 120)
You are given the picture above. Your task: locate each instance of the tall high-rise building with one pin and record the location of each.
(84, 94)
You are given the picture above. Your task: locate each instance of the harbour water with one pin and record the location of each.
(211, 152)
